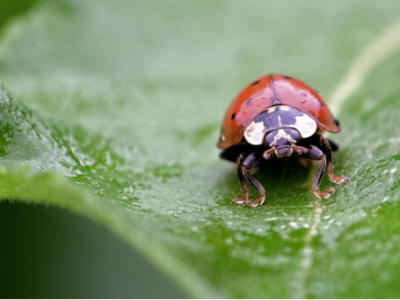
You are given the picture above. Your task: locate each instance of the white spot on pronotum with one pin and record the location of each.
(305, 126)
(254, 133)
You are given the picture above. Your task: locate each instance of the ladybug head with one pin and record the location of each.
(280, 141)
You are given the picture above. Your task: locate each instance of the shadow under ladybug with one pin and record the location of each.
(277, 116)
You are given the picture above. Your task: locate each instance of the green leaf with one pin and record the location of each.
(115, 112)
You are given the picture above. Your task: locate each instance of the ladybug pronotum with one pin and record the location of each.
(277, 116)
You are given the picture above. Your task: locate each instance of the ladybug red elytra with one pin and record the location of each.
(277, 116)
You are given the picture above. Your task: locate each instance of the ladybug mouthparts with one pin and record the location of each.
(281, 142)
(283, 151)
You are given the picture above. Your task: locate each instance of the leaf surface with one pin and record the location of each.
(113, 112)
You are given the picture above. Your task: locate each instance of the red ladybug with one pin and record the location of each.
(277, 116)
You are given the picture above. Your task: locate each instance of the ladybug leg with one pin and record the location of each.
(242, 179)
(251, 163)
(245, 167)
(316, 154)
(326, 147)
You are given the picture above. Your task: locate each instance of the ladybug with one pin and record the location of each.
(277, 116)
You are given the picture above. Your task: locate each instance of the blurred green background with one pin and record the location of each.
(50, 253)
(11, 9)
(47, 252)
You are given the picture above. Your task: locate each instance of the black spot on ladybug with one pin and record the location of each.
(287, 77)
(255, 82)
(336, 121)
(233, 116)
(248, 101)
(320, 104)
